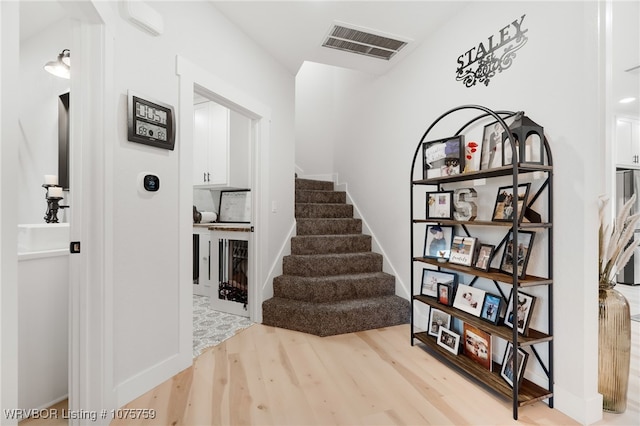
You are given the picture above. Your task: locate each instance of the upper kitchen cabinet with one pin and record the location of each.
(220, 147)
(627, 138)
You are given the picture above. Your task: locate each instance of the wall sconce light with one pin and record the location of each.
(61, 67)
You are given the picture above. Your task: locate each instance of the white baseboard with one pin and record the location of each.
(585, 411)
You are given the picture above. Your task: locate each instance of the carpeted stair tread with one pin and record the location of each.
(334, 288)
(321, 244)
(311, 184)
(314, 265)
(323, 210)
(315, 196)
(327, 319)
(306, 226)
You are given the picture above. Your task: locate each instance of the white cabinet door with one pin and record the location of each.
(201, 144)
(628, 142)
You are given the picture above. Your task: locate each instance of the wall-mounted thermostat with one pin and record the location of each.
(150, 122)
(148, 183)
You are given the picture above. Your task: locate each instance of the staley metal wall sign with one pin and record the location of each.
(482, 62)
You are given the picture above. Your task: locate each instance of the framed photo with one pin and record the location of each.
(445, 293)
(472, 154)
(477, 345)
(437, 241)
(431, 278)
(438, 319)
(462, 250)
(523, 315)
(440, 205)
(449, 340)
(506, 372)
(491, 156)
(506, 200)
(469, 299)
(525, 241)
(443, 157)
(484, 257)
(491, 308)
(235, 206)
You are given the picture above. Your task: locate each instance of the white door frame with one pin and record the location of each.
(221, 92)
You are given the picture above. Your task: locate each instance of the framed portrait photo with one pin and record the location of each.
(443, 157)
(438, 319)
(469, 299)
(437, 241)
(491, 153)
(507, 200)
(477, 345)
(522, 252)
(484, 256)
(432, 278)
(522, 316)
(491, 308)
(462, 250)
(449, 340)
(507, 370)
(445, 294)
(440, 205)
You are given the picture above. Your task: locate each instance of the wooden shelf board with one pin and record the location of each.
(529, 392)
(533, 336)
(483, 174)
(492, 274)
(484, 223)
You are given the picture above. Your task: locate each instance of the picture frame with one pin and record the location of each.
(472, 156)
(437, 320)
(469, 299)
(446, 293)
(484, 256)
(506, 370)
(235, 206)
(491, 153)
(525, 241)
(439, 205)
(462, 250)
(525, 303)
(491, 308)
(449, 340)
(503, 209)
(432, 278)
(443, 157)
(477, 345)
(437, 241)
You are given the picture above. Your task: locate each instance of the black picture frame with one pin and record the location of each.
(525, 242)
(439, 205)
(443, 157)
(506, 370)
(484, 257)
(491, 308)
(491, 154)
(446, 293)
(235, 206)
(438, 246)
(431, 279)
(526, 303)
(437, 319)
(503, 208)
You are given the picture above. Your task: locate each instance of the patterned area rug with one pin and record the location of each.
(212, 327)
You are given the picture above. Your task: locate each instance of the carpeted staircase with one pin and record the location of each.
(332, 282)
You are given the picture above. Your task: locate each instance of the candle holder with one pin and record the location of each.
(53, 204)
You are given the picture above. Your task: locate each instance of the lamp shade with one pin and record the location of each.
(61, 67)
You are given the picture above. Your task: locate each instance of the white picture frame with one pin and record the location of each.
(469, 299)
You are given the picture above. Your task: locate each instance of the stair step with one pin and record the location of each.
(327, 319)
(321, 244)
(331, 264)
(334, 288)
(315, 196)
(323, 210)
(312, 226)
(312, 184)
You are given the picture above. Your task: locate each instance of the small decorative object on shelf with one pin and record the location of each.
(440, 205)
(437, 241)
(522, 315)
(505, 202)
(614, 319)
(507, 371)
(443, 157)
(463, 206)
(528, 136)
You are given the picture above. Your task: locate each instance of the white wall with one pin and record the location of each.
(145, 276)
(554, 80)
(38, 106)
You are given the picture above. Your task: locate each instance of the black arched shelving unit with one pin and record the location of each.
(536, 341)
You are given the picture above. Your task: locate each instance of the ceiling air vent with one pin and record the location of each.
(363, 43)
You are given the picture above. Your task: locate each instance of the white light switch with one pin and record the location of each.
(274, 207)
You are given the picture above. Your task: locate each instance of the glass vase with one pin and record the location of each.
(614, 348)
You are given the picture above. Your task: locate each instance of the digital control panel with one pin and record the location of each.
(150, 122)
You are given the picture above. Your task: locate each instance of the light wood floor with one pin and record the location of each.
(270, 376)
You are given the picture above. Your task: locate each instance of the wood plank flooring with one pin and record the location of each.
(271, 376)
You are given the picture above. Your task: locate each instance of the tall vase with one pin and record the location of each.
(614, 348)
